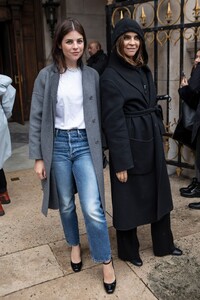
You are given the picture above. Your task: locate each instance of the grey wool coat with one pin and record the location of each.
(42, 120)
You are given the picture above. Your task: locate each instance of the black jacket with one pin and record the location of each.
(191, 95)
(98, 61)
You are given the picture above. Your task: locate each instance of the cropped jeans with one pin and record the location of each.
(73, 168)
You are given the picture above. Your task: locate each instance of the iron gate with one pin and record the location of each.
(172, 34)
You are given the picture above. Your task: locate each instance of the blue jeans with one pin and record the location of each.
(72, 165)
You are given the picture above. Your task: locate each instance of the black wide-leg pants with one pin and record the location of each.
(162, 239)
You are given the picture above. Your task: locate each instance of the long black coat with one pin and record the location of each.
(133, 128)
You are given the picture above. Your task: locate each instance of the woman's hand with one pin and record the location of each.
(184, 82)
(40, 169)
(122, 176)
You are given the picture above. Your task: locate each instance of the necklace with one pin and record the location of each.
(73, 69)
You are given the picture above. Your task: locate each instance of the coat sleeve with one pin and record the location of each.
(114, 125)
(35, 121)
(8, 100)
(7, 92)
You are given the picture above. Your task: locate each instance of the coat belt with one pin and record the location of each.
(157, 109)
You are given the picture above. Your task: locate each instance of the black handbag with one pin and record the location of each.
(183, 136)
(188, 116)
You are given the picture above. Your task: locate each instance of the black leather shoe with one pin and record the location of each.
(177, 252)
(191, 186)
(76, 267)
(109, 287)
(192, 193)
(195, 205)
(137, 262)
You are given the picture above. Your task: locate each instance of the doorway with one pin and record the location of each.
(22, 51)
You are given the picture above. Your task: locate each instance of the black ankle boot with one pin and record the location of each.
(193, 192)
(191, 186)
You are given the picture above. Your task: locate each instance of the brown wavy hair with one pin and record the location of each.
(62, 29)
(138, 60)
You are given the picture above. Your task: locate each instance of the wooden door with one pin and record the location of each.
(22, 50)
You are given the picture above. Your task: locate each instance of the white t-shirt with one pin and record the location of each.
(69, 106)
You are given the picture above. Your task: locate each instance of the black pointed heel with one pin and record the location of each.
(109, 287)
(76, 267)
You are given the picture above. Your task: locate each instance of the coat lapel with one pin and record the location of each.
(130, 75)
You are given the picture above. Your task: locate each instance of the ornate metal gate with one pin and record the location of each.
(172, 34)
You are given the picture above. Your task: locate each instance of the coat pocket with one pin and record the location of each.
(143, 156)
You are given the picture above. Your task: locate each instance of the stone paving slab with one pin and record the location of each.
(88, 285)
(27, 268)
(19, 159)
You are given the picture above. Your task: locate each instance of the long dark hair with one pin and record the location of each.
(62, 29)
(138, 60)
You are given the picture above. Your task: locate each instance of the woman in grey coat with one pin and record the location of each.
(65, 141)
(133, 127)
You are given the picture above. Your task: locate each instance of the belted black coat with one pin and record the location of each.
(133, 128)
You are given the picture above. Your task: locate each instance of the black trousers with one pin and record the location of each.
(162, 239)
(3, 182)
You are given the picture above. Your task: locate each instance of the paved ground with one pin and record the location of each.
(35, 260)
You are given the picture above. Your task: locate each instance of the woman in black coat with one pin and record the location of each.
(133, 127)
(190, 93)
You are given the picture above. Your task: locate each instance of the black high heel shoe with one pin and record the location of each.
(109, 287)
(76, 267)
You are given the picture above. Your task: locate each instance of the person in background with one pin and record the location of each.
(4, 196)
(98, 59)
(7, 98)
(65, 142)
(189, 91)
(133, 127)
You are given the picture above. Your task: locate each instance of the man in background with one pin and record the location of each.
(98, 59)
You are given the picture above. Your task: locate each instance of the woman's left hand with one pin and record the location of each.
(39, 169)
(184, 82)
(122, 176)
